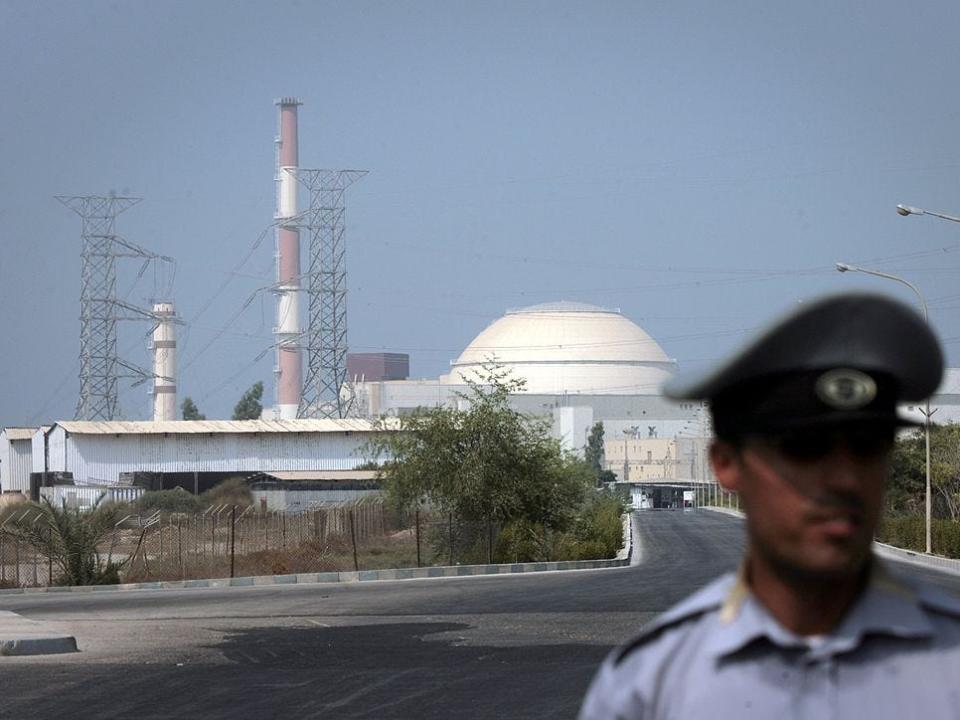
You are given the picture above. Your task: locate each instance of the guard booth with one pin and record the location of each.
(660, 496)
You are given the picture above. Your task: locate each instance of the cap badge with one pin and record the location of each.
(846, 389)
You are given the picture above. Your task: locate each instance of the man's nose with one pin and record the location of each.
(844, 470)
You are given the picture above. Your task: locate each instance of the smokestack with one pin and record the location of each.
(287, 331)
(164, 363)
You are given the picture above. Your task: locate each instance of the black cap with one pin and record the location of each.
(850, 357)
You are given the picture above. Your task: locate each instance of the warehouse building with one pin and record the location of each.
(300, 490)
(15, 458)
(195, 454)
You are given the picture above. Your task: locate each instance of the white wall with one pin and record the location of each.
(299, 500)
(16, 462)
(571, 425)
(101, 458)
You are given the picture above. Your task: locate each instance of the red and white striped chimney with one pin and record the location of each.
(287, 332)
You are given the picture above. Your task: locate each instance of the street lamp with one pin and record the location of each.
(906, 210)
(844, 267)
(632, 430)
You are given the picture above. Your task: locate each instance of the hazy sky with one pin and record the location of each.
(697, 165)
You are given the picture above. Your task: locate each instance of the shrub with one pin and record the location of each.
(909, 532)
(177, 500)
(522, 541)
(233, 491)
(596, 533)
(599, 526)
(70, 538)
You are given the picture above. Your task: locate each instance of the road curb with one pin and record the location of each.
(20, 636)
(725, 511)
(891, 552)
(947, 565)
(423, 573)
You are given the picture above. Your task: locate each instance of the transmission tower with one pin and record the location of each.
(100, 367)
(326, 392)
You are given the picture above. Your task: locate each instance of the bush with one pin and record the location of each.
(70, 538)
(233, 491)
(599, 526)
(177, 500)
(521, 541)
(596, 533)
(909, 532)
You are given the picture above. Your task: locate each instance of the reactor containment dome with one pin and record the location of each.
(568, 348)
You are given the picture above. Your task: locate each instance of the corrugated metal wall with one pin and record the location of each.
(37, 451)
(16, 462)
(104, 457)
(56, 450)
(4, 461)
(86, 497)
(301, 500)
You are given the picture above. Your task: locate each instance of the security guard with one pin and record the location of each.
(812, 626)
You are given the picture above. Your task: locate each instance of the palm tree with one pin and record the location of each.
(70, 539)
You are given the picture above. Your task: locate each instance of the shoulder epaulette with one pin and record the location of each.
(709, 598)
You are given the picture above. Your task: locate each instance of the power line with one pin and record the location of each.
(222, 330)
(234, 272)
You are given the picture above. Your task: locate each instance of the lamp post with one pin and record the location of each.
(906, 210)
(844, 267)
(626, 453)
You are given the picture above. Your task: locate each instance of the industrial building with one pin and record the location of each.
(182, 452)
(377, 366)
(16, 460)
(580, 364)
(300, 490)
(568, 348)
(583, 364)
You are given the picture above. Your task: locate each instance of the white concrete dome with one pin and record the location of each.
(569, 348)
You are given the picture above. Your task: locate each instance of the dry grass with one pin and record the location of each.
(333, 555)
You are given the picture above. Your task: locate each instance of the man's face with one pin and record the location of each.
(812, 498)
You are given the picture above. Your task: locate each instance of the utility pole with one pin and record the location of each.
(633, 430)
(100, 366)
(327, 393)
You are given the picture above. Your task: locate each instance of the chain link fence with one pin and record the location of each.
(242, 541)
(223, 541)
(229, 541)
(21, 565)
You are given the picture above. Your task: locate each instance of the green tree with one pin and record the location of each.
(487, 462)
(593, 451)
(907, 487)
(189, 411)
(71, 539)
(249, 406)
(606, 476)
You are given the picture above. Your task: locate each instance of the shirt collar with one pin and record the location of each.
(885, 607)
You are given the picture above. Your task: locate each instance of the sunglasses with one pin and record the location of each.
(812, 444)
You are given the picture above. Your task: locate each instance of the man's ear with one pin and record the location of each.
(726, 463)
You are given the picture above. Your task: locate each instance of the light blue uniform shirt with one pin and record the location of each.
(720, 654)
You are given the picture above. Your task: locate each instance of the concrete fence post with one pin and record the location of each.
(417, 519)
(353, 538)
(233, 538)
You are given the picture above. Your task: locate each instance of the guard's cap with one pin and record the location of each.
(843, 358)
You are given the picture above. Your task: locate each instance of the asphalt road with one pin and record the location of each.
(521, 646)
